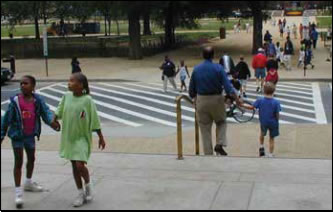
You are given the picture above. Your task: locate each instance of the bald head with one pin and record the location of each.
(208, 53)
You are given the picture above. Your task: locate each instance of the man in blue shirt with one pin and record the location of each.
(206, 86)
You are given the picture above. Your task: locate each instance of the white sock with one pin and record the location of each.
(270, 155)
(81, 191)
(18, 191)
(28, 181)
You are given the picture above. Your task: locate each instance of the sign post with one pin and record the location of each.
(45, 49)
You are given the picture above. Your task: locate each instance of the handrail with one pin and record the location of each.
(179, 128)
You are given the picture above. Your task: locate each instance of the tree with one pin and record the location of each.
(257, 8)
(105, 8)
(135, 51)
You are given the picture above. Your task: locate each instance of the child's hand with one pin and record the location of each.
(101, 144)
(56, 125)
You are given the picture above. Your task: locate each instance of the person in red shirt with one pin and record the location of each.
(259, 63)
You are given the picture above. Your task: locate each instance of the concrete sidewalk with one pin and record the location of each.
(142, 182)
(307, 141)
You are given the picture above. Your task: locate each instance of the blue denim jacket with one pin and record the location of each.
(13, 119)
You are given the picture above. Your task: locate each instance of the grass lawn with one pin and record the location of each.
(204, 24)
(324, 22)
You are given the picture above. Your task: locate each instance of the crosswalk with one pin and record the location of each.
(144, 104)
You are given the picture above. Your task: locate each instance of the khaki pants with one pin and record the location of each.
(211, 109)
(165, 83)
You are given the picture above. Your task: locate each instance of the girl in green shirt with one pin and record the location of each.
(79, 118)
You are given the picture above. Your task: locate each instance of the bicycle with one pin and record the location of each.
(239, 113)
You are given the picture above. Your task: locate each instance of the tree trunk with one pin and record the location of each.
(109, 22)
(146, 24)
(105, 26)
(169, 27)
(37, 35)
(257, 29)
(135, 51)
(118, 29)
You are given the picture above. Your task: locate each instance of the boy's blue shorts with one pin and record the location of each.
(29, 142)
(273, 130)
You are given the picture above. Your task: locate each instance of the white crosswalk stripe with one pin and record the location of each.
(320, 111)
(113, 107)
(142, 97)
(106, 116)
(138, 104)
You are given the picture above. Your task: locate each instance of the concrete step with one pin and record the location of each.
(142, 181)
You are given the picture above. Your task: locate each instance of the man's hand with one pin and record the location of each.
(238, 101)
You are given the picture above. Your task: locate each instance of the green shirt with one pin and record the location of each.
(79, 119)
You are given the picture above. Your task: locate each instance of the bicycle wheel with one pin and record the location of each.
(243, 115)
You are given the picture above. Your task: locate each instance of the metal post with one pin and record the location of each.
(47, 66)
(179, 130)
(197, 145)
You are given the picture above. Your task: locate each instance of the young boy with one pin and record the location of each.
(269, 112)
(23, 119)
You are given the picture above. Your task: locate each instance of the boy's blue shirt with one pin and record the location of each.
(268, 108)
(12, 120)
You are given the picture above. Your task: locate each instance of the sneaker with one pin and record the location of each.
(244, 95)
(220, 151)
(33, 187)
(89, 192)
(270, 155)
(261, 152)
(258, 88)
(80, 200)
(19, 201)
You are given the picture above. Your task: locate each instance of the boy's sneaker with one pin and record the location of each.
(89, 192)
(261, 152)
(220, 151)
(80, 200)
(258, 88)
(19, 201)
(33, 187)
(244, 95)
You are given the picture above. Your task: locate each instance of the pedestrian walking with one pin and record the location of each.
(168, 74)
(288, 52)
(79, 117)
(228, 64)
(301, 59)
(23, 119)
(294, 29)
(314, 36)
(183, 74)
(308, 57)
(272, 70)
(269, 115)
(244, 74)
(259, 63)
(75, 65)
(208, 81)
(301, 31)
